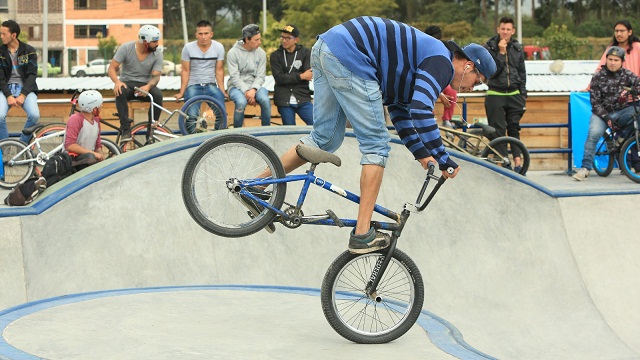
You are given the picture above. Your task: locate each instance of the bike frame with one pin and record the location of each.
(466, 136)
(36, 157)
(329, 220)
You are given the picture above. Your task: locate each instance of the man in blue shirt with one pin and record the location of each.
(368, 62)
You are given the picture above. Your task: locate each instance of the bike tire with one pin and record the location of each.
(139, 136)
(205, 192)
(15, 174)
(625, 159)
(109, 149)
(510, 142)
(211, 115)
(603, 160)
(358, 318)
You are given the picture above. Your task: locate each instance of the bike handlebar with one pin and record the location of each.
(441, 180)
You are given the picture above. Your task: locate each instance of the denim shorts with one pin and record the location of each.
(339, 95)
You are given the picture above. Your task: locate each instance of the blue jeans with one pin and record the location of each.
(342, 95)
(288, 113)
(30, 107)
(193, 112)
(262, 98)
(597, 126)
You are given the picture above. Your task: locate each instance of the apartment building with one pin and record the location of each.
(75, 26)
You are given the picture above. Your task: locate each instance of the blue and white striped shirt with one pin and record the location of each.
(411, 67)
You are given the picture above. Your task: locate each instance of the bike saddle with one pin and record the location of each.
(31, 129)
(487, 130)
(317, 156)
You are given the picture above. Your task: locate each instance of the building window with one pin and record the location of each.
(4, 6)
(90, 31)
(148, 4)
(34, 32)
(89, 4)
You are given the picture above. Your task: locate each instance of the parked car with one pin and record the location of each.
(51, 70)
(97, 67)
(170, 68)
(537, 52)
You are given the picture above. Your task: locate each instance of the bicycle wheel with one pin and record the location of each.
(203, 113)
(17, 162)
(51, 143)
(109, 149)
(139, 136)
(490, 153)
(207, 188)
(357, 317)
(603, 160)
(628, 160)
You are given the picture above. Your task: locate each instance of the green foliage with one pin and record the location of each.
(317, 16)
(107, 47)
(594, 28)
(563, 44)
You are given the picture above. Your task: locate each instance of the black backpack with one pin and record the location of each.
(58, 167)
(26, 192)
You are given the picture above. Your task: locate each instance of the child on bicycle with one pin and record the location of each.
(610, 105)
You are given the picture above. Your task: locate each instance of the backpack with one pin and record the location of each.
(26, 192)
(58, 167)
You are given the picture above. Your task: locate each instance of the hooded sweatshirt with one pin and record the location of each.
(247, 69)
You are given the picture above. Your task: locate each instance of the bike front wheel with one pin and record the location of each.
(17, 162)
(208, 184)
(629, 159)
(603, 159)
(500, 151)
(139, 136)
(357, 317)
(109, 149)
(204, 113)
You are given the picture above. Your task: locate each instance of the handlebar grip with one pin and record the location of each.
(450, 170)
(432, 167)
(140, 90)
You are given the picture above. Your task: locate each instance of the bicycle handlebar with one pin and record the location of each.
(441, 180)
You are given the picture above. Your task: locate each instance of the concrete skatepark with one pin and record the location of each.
(108, 265)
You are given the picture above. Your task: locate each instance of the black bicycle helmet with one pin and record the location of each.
(616, 51)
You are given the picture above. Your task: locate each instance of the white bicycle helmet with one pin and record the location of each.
(148, 33)
(89, 100)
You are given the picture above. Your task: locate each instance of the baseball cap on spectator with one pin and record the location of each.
(291, 29)
(480, 56)
(250, 31)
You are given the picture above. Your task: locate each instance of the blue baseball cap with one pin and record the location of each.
(480, 56)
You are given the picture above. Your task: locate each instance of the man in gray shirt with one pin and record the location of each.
(141, 67)
(247, 66)
(202, 71)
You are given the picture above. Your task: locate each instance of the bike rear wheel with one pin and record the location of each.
(109, 149)
(206, 180)
(492, 155)
(628, 160)
(357, 317)
(139, 136)
(204, 113)
(603, 160)
(14, 174)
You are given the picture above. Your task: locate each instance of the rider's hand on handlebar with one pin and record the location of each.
(450, 173)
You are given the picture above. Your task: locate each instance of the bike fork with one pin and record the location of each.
(378, 271)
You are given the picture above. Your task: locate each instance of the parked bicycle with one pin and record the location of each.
(366, 298)
(620, 147)
(20, 161)
(203, 113)
(499, 151)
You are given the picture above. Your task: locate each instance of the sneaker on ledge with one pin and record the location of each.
(581, 175)
(366, 243)
(126, 135)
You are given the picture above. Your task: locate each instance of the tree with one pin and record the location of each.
(563, 44)
(107, 47)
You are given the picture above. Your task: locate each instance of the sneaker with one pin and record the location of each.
(447, 123)
(126, 135)
(371, 241)
(41, 184)
(581, 175)
(255, 208)
(518, 169)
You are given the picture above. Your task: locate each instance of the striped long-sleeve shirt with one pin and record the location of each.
(411, 67)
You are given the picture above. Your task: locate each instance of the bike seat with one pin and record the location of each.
(487, 130)
(31, 129)
(317, 156)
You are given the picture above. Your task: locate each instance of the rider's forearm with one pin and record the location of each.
(155, 79)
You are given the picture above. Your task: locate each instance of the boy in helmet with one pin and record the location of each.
(609, 103)
(82, 138)
(141, 66)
